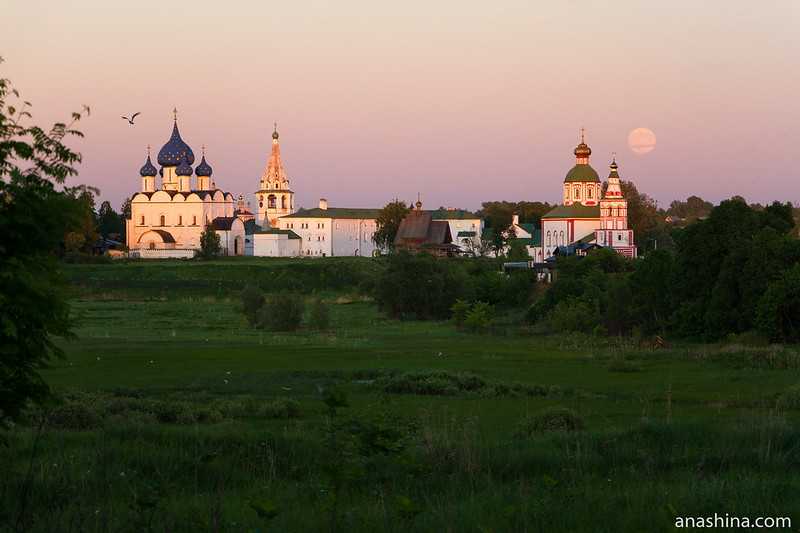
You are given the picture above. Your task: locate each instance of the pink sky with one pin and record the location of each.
(461, 101)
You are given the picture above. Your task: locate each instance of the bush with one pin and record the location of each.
(790, 399)
(252, 301)
(573, 315)
(281, 312)
(73, 415)
(779, 308)
(420, 286)
(459, 311)
(551, 419)
(479, 317)
(281, 408)
(319, 317)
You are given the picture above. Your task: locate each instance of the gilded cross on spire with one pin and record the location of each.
(148, 150)
(203, 148)
(613, 157)
(582, 132)
(175, 114)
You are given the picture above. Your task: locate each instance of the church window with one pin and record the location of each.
(548, 239)
(561, 238)
(180, 220)
(589, 193)
(142, 221)
(152, 246)
(260, 204)
(194, 220)
(283, 202)
(577, 193)
(163, 220)
(271, 201)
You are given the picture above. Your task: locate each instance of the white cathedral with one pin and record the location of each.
(167, 220)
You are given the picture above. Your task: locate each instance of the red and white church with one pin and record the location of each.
(588, 217)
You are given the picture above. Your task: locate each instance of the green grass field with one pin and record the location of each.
(179, 417)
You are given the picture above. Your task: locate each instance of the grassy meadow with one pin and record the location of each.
(175, 415)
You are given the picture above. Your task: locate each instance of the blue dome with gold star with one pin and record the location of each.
(184, 169)
(148, 169)
(203, 169)
(173, 152)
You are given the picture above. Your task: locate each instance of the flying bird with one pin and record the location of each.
(130, 120)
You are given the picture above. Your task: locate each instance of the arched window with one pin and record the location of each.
(271, 201)
(163, 220)
(549, 242)
(589, 193)
(180, 220)
(561, 238)
(142, 221)
(577, 193)
(194, 220)
(283, 202)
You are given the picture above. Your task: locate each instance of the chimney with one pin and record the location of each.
(323, 204)
(515, 220)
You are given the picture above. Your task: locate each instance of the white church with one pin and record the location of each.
(167, 219)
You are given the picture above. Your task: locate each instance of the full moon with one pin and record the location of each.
(642, 140)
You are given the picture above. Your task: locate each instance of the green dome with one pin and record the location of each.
(582, 173)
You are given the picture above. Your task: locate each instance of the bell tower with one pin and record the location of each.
(274, 198)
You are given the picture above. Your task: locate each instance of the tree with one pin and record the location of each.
(388, 222)
(109, 222)
(518, 251)
(209, 243)
(33, 217)
(420, 286)
(779, 311)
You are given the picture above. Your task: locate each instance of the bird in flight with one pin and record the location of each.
(130, 120)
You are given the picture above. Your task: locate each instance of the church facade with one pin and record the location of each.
(588, 216)
(167, 218)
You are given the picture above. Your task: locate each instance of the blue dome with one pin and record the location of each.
(148, 169)
(174, 151)
(203, 169)
(184, 169)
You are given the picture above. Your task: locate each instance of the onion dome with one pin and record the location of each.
(148, 169)
(583, 150)
(203, 169)
(174, 150)
(184, 169)
(582, 173)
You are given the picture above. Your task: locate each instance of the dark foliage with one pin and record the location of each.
(420, 286)
(34, 216)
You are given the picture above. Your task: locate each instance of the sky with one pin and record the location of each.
(460, 101)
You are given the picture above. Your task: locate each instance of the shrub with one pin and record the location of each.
(459, 311)
(420, 286)
(551, 419)
(778, 314)
(281, 408)
(281, 312)
(573, 314)
(319, 316)
(73, 415)
(790, 399)
(479, 317)
(252, 301)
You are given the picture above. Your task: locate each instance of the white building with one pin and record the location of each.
(466, 227)
(333, 231)
(167, 221)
